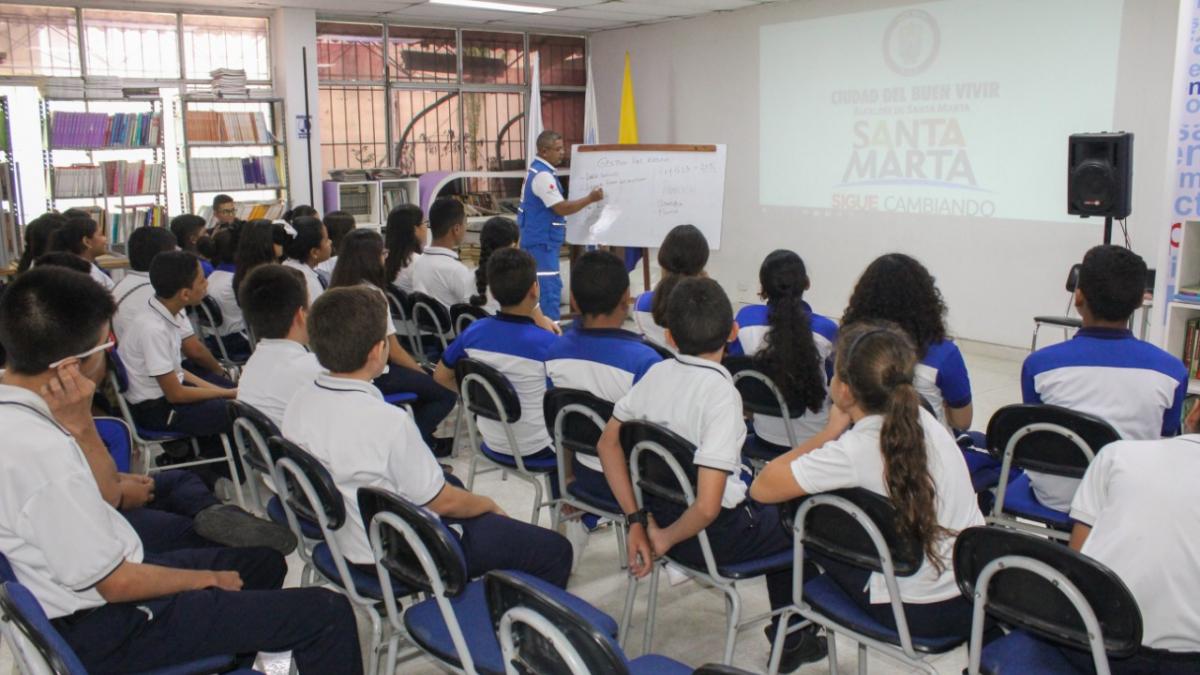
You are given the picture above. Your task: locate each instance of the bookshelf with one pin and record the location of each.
(1183, 310)
(106, 156)
(235, 147)
(11, 240)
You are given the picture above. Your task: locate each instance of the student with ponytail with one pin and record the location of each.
(308, 245)
(497, 233)
(684, 253)
(789, 343)
(37, 238)
(406, 233)
(895, 449)
(83, 237)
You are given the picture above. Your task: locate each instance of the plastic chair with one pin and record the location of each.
(431, 318)
(39, 648)
(1066, 322)
(1043, 438)
(147, 439)
(118, 438)
(463, 315)
(661, 465)
(308, 491)
(487, 393)
(539, 634)
(401, 309)
(761, 396)
(415, 548)
(1051, 594)
(208, 319)
(857, 527)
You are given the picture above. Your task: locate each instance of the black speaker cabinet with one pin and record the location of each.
(1100, 174)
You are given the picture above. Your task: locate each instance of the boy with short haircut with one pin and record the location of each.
(438, 272)
(363, 441)
(119, 608)
(1104, 370)
(188, 229)
(512, 343)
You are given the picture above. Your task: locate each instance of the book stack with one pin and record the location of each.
(132, 178)
(85, 131)
(123, 222)
(1191, 348)
(229, 83)
(208, 126)
(99, 87)
(247, 211)
(78, 181)
(213, 174)
(62, 87)
(1189, 293)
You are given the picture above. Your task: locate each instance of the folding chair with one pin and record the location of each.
(1051, 595)
(208, 319)
(401, 308)
(761, 396)
(38, 648)
(1043, 438)
(147, 439)
(433, 320)
(576, 419)
(1066, 321)
(463, 315)
(487, 393)
(308, 491)
(118, 438)
(413, 547)
(857, 527)
(661, 464)
(540, 634)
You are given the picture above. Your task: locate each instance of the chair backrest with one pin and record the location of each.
(318, 477)
(759, 392)
(538, 634)
(835, 528)
(210, 312)
(399, 301)
(463, 314)
(251, 425)
(118, 439)
(656, 476)
(117, 367)
(1050, 439)
(430, 315)
(6, 570)
(501, 403)
(46, 647)
(399, 554)
(1073, 277)
(575, 419)
(1024, 598)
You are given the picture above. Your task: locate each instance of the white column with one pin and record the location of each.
(294, 32)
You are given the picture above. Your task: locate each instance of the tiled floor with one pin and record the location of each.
(690, 618)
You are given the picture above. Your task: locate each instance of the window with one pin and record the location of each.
(562, 60)
(353, 127)
(562, 111)
(349, 52)
(493, 58)
(494, 131)
(131, 44)
(426, 132)
(38, 41)
(423, 54)
(211, 42)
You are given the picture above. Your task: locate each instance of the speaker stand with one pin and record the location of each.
(1107, 230)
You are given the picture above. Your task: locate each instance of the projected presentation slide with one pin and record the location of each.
(945, 108)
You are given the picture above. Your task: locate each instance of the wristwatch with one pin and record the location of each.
(639, 517)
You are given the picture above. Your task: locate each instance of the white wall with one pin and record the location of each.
(292, 30)
(696, 81)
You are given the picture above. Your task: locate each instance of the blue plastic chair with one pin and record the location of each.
(118, 439)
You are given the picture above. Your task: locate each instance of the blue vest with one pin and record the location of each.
(540, 225)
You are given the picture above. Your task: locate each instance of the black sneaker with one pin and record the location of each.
(803, 646)
(232, 526)
(442, 447)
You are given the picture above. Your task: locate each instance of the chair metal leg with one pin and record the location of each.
(651, 606)
(862, 659)
(831, 639)
(781, 633)
(627, 613)
(471, 469)
(733, 610)
(233, 472)
(376, 642)
(537, 501)
(1033, 344)
(622, 546)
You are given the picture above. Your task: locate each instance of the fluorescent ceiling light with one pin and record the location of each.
(497, 6)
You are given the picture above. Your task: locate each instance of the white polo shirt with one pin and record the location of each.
(440, 274)
(102, 278)
(151, 347)
(363, 442)
(311, 279)
(275, 372)
(404, 277)
(220, 289)
(57, 532)
(855, 460)
(643, 318)
(696, 399)
(1140, 499)
(517, 347)
(326, 267)
(132, 295)
(545, 188)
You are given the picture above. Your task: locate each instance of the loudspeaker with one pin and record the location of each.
(1100, 174)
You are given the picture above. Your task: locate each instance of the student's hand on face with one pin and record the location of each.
(641, 553)
(69, 396)
(225, 581)
(1191, 425)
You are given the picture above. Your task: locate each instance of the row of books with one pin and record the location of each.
(85, 130)
(210, 126)
(122, 222)
(209, 174)
(107, 179)
(247, 211)
(1191, 348)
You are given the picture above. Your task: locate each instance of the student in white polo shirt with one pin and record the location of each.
(307, 247)
(684, 253)
(275, 303)
(1104, 370)
(83, 237)
(693, 395)
(1136, 512)
(363, 441)
(220, 288)
(896, 449)
(438, 272)
(120, 609)
(133, 292)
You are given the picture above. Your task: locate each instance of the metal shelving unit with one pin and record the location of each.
(11, 237)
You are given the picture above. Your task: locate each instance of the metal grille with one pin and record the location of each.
(562, 111)
(39, 41)
(422, 54)
(562, 59)
(131, 44)
(211, 42)
(353, 127)
(493, 135)
(426, 130)
(493, 58)
(349, 52)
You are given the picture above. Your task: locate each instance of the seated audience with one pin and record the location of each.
(188, 229)
(497, 233)
(307, 247)
(406, 233)
(221, 289)
(260, 242)
(337, 224)
(439, 273)
(684, 253)
(83, 237)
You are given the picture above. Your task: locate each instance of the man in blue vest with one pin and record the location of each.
(543, 217)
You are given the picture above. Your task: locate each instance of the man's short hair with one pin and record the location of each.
(270, 296)
(546, 139)
(146, 242)
(1113, 282)
(699, 316)
(511, 272)
(172, 272)
(51, 313)
(221, 199)
(598, 282)
(185, 225)
(444, 215)
(345, 324)
(64, 259)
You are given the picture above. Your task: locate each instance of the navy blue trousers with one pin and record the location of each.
(316, 624)
(165, 524)
(433, 402)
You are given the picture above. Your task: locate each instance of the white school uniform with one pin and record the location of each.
(404, 277)
(220, 289)
(326, 267)
(363, 442)
(57, 532)
(311, 279)
(643, 318)
(132, 295)
(151, 348)
(102, 278)
(696, 399)
(941, 379)
(855, 460)
(1139, 497)
(275, 372)
(440, 274)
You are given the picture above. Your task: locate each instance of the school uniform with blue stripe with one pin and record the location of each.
(941, 379)
(643, 318)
